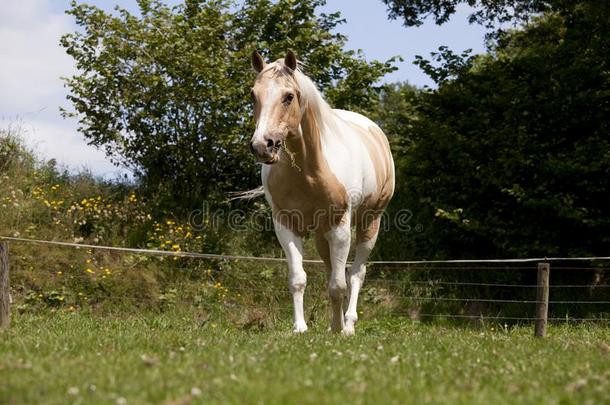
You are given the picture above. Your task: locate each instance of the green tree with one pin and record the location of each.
(510, 156)
(396, 113)
(487, 12)
(166, 92)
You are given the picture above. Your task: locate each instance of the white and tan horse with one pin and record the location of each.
(324, 170)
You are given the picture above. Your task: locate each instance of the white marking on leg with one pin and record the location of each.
(297, 278)
(339, 239)
(357, 273)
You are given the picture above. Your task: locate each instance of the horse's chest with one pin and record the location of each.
(294, 193)
(306, 203)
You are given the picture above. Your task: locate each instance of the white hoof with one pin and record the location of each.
(348, 330)
(299, 328)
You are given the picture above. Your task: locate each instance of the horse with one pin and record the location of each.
(323, 171)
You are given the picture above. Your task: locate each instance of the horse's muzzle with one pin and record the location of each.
(266, 151)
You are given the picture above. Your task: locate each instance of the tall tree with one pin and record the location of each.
(486, 12)
(166, 92)
(509, 155)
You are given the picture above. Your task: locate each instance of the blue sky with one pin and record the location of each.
(33, 63)
(369, 29)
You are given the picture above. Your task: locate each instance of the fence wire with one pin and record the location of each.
(411, 314)
(381, 267)
(506, 318)
(499, 285)
(277, 259)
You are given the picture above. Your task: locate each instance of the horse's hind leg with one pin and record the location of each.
(366, 236)
(324, 251)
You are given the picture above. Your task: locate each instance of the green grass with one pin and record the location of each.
(58, 358)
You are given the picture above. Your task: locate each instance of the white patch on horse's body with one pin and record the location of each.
(354, 166)
(333, 167)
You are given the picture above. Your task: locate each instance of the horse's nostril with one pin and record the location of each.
(278, 143)
(270, 143)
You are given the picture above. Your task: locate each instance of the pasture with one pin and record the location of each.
(173, 357)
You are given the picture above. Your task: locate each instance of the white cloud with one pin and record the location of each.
(67, 146)
(32, 60)
(31, 91)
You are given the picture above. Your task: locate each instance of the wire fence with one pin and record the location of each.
(498, 285)
(383, 275)
(216, 256)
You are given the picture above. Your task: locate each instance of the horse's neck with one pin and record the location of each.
(304, 181)
(306, 151)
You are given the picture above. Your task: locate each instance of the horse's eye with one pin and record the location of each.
(288, 99)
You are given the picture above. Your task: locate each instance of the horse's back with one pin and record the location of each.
(355, 118)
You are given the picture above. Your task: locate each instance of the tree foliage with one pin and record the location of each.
(510, 156)
(166, 92)
(486, 12)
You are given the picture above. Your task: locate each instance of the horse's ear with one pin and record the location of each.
(257, 61)
(290, 60)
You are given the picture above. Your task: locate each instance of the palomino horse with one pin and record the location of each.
(323, 171)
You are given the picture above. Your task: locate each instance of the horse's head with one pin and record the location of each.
(277, 106)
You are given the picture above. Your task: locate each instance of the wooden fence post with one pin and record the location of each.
(5, 297)
(542, 299)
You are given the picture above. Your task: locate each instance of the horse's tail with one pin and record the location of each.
(247, 195)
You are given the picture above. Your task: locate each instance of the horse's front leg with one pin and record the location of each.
(339, 239)
(297, 279)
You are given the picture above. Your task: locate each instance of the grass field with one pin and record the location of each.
(58, 358)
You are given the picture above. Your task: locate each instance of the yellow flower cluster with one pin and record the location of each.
(70, 213)
(171, 236)
(104, 271)
(221, 290)
(93, 203)
(93, 269)
(12, 199)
